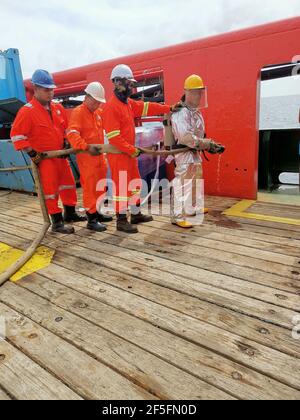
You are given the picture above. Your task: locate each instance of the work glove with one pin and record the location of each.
(35, 156)
(177, 107)
(138, 152)
(202, 144)
(216, 148)
(66, 146)
(94, 151)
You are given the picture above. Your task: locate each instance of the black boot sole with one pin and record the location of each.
(66, 220)
(129, 232)
(63, 232)
(94, 229)
(141, 222)
(110, 219)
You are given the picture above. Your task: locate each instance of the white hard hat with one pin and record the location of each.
(96, 91)
(122, 72)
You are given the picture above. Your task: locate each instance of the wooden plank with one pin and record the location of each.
(204, 259)
(218, 204)
(275, 210)
(214, 217)
(26, 380)
(254, 240)
(162, 379)
(263, 241)
(260, 310)
(242, 209)
(4, 396)
(223, 235)
(248, 274)
(260, 233)
(229, 320)
(263, 310)
(234, 221)
(275, 228)
(247, 225)
(287, 247)
(142, 241)
(280, 205)
(209, 261)
(200, 362)
(185, 296)
(252, 355)
(82, 373)
(219, 221)
(192, 246)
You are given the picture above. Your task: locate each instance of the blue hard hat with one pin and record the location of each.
(43, 79)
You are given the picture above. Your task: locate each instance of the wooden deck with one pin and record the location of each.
(165, 314)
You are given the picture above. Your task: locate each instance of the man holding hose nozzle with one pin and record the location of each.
(189, 131)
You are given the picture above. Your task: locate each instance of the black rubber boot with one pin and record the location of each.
(139, 218)
(94, 224)
(70, 215)
(58, 225)
(102, 218)
(124, 226)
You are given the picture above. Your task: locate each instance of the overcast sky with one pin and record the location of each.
(61, 34)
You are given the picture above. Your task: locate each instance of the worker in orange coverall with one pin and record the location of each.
(40, 127)
(118, 119)
(85, 130)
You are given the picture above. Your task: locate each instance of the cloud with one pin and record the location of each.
(61, 34)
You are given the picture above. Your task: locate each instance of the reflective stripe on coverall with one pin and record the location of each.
(118, 119)
(86, 128)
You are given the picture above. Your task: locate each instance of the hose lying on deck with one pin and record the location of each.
(33, 247)
(35, 172)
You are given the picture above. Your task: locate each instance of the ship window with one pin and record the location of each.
(150, 86)
(279, 124)
(72, 101)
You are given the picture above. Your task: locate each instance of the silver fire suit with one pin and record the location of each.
(188, 191)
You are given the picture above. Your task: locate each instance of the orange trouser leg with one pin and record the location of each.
(93, 178)
(126, 181)
(135, 185)
(49, 173)
(66, 184)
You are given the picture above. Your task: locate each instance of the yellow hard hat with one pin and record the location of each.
(194, 82)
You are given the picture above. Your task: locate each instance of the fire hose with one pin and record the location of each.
(4, 277)
(33, 247)
(109, 149)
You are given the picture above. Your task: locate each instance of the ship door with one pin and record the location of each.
(279, 128)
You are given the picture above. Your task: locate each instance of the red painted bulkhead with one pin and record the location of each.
(230, 65)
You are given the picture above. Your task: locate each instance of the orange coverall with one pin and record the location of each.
(118, 120)
(85, 128)
(44, 131)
